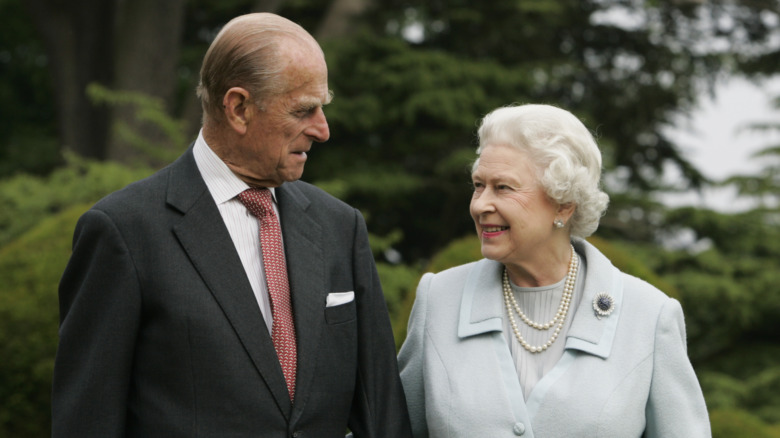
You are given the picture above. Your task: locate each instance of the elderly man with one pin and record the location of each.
(221, 297)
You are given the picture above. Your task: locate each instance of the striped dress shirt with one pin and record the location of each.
(244, 228)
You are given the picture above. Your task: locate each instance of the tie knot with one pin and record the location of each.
(257, 201)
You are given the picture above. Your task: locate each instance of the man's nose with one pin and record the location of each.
(319, 130)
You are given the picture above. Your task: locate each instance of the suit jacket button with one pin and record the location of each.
(519, 429)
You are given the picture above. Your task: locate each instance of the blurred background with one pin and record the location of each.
(681, 95)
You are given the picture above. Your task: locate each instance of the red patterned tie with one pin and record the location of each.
(258, 202)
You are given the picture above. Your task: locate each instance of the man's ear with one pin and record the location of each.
(237, 109)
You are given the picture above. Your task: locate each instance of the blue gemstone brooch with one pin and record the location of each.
(603, 304)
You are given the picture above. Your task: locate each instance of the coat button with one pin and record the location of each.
(519, 429)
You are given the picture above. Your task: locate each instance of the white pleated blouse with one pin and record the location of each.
(540, 305)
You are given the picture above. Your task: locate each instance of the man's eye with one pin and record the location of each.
(305, 112)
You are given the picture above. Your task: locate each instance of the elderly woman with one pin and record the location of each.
(544, 337)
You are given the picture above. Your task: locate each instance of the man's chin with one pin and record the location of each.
(292, 174)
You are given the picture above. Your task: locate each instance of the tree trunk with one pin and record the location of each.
(78, 36)
(148, 43)
(338, 21)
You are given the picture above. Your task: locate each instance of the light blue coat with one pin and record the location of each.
(624, 375)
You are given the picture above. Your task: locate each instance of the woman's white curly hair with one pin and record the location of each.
(562, 149)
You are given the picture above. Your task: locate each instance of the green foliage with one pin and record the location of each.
(756, 394)
(734, 423)
(628, 260)
(27, 199)
(728, 288)
(149, 111)
(712, 329)
(398, 284)
(403, 124)
(36, 226)
(408, 106)
(625, 80)
(30, 268)
(730, 382)
(753, 232)
(380, 244)
(460, 251)
(763, 185)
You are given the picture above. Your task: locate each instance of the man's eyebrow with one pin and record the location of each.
(313, 102)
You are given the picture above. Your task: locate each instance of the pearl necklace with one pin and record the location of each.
(560, 315)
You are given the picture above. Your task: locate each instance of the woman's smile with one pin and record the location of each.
(490, 231)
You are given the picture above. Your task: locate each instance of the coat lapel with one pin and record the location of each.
(306, 271)
(481, 308)
(203, 235)
(482, 313)
(587, 332)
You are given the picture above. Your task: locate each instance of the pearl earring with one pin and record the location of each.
(558, 223)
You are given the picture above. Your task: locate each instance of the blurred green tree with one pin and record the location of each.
(415, 76)
(30, 268)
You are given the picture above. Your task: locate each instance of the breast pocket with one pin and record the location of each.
(341, 313)
(338, 347)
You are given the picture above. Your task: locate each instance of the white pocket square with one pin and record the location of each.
(339, 298)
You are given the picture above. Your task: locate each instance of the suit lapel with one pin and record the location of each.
(203, 235)
(306, 271)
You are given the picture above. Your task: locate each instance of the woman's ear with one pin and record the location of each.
(237, 109)
(565, 211)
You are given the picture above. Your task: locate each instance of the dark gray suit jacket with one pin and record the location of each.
(161, 336)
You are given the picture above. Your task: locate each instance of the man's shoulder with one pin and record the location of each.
(144, 191)
(153, 189)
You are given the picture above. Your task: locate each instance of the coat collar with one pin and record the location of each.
(482, 305)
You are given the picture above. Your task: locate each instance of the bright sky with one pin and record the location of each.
(712, 140)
